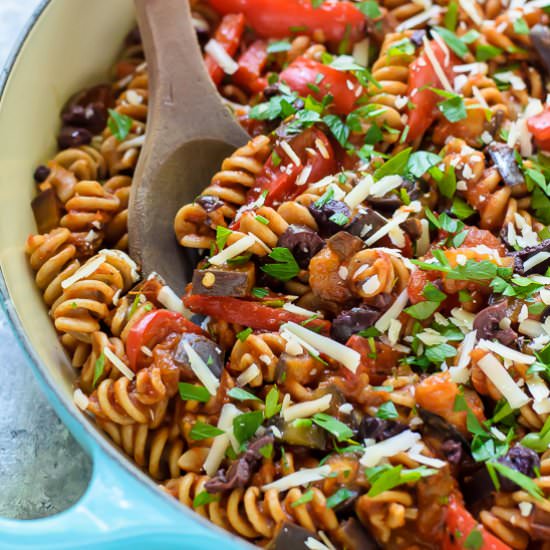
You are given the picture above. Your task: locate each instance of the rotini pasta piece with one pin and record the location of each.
(90, 207)
(86, 300)
(252, 515)
(195, 224)
(156, 450)
(116, 229)
(85, 162)
(53, 257)
(372, 272)
(262, 350)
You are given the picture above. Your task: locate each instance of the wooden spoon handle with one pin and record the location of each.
(184, 104)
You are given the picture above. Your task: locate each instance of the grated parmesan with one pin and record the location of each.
(118, 363)
(388, 448)
(233, 250)
(221, 57)
(436, 65)
(301, 477)
(248, 375)
(170, 300)
(221, 442)
(80, 399)
(383, 324)
(507, 353)
(347, 356)
(307, 408)
(500, 377)
(201, 370)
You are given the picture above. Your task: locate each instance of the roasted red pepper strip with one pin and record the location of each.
(424, 102)
(247, 313)
(152, 329)
(251, 65)
(461, 522)
(228, 35)
(278, 18)
(278, 178)
(539, 126)
(309, 77)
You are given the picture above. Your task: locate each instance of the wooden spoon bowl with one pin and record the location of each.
(189, 132)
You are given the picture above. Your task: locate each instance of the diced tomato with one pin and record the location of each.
(251, 64)
(152, 329)
(281, 184)
(377, 363)
(424, 102)
(460, 524)
(437, 393)
(338, 20)
(228, 35)
(247, 313)
(539, 126)
(309, 77)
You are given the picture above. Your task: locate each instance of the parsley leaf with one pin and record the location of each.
(461, 209)
(272, 406)
(204, 497)
(525, 482)
(521, 26)
(485, 52)
(338, 497)
(99, 367)
(422, 310)
(451, 16)
(338, 128)
(385, 477)
(474, 540)
(244, 334)
(201, 430)
(452, 40)
(387, 410)
(396, 165)
(420, 162)
(119, 124)
(242, 395)
(452, 107)
(338, 429)
(306, 497)
(440, 352)
(286, 267)
(370, 8)
(192, 392)
(222, 234)
(246, 425)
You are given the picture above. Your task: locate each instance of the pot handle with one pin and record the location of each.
(116, 511)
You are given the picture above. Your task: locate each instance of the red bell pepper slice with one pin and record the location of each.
(302, 75)
(539, 126)
(152, 329)
(278, 178)
(228, 34)
(248, 313)
(278, 18)
(424, 102)
(461, 522)
(251, 65)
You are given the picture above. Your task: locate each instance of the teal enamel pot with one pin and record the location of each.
(67, 45)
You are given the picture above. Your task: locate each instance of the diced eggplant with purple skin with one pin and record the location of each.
(46, 210)
(540, 38)
(291, 537)
(521, 256)
(242, 469)
(487, 324)
(219, 281)
(523, 460)
(504, 160)
(379, 429)
(353, 321)
(345, 245)
(331, 217)
(351, 535)
(302, 241)
(366, 222)
(438, 426)
(301, 434)
(206, 349)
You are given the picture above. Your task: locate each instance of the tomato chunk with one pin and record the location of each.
(279, 18)
(460, 525)
(228, 35)
(251, 64)
(422, 75)
(247, 313)
(152, 329)
(302, 75)
(539, 126)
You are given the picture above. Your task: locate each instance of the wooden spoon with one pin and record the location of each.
(189, 132)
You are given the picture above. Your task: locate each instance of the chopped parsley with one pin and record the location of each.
(242, 395)
(204, 497)
(202, 430)
(385, 477)
(305, 498)
(332, 425)
(246, 425)
(338, 497)
(99, 367)
(286, 266)
(244, 334)
(387, 411)
(192, 392)
(272, 406)
(119, 124)
(525, 482)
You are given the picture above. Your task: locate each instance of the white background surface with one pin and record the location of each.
(42, 470)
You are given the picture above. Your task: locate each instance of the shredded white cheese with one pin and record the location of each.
(390, 447)
(248, 375)
(301, 477)
(500, 377)
(85, 271)
(80, 399)
(221, 57)
(170, 300)
(291, 308)
(383, 324)
(347, 356)
(118, 363)
(201, 370)
(436, 65)
(360, 192)
(535, 259)
(307, 408)
(238, 247)
(415, 20)
(460, 373)
(221, 442)
(506, 352)
(385, 185)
